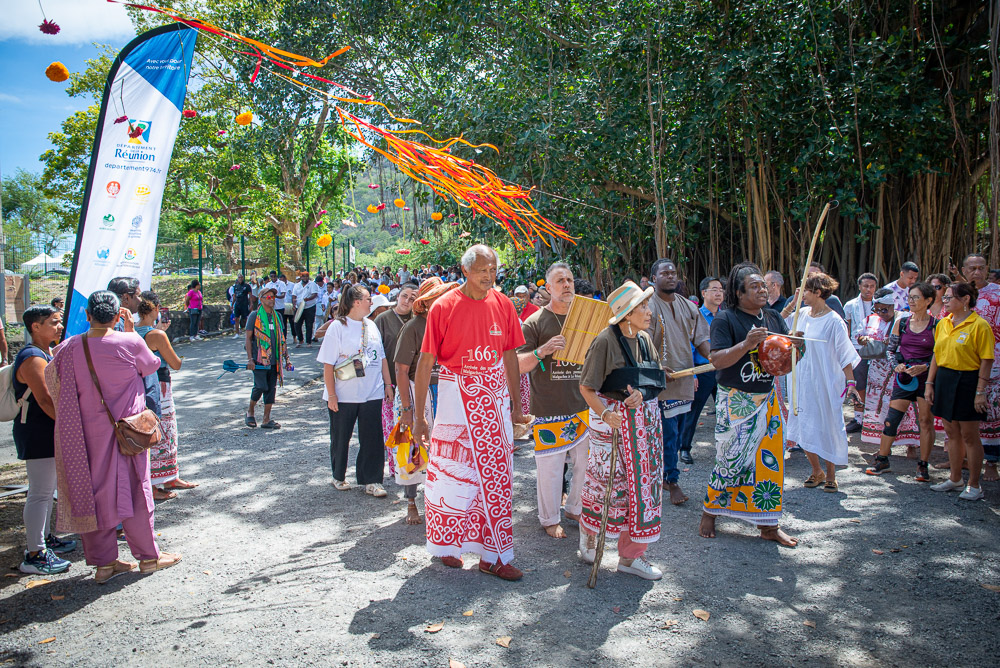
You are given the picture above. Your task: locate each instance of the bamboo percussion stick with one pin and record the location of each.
(798, 298)
(695, 370)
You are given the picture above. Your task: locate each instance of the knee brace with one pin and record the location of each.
(892, 420)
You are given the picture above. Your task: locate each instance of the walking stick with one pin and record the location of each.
(798, 300)
(599, 552)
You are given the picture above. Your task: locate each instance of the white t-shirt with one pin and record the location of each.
(279, 297)
(308, 293)
(342, 342)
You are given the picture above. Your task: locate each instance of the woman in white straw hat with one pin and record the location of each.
(620, 381)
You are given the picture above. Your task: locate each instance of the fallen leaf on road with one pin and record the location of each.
(617, 608)
(58, 597)
(667, 624)
(856, 521)
(895, 549)
(376, 636)
(504, 641)
(207, 572)
(36, 583)
(467, 613)
(10, 575)
(47, 640)
(567, 574)
(434, 628)
(991, 588)
(455, 664)
(703, 615)
(397, 502)
(878, 551)
(678, 598)
(810, 623)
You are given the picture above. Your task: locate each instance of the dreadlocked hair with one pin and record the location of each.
(734, 284)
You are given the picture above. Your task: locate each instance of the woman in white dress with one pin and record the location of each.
(818, 428)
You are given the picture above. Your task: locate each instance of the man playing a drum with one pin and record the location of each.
(748, 479)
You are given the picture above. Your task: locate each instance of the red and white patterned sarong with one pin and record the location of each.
(525, 394)
(388, 422)
(468, 495)
(988, 308)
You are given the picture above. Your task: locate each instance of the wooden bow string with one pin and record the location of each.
(798, 300)
(599, 551)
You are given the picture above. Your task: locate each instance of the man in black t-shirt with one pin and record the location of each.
(747, 481)
(241, 305)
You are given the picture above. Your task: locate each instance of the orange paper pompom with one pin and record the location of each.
(246, 118)
(383, 289)
(540, 282)
(436, 216)
(57, 72)
(398, 202)
(372, 208)
(324, 240)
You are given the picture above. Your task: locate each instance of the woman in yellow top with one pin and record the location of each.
(956, 384)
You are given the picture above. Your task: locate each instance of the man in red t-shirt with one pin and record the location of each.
(473, 334)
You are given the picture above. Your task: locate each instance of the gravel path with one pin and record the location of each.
(281, 569)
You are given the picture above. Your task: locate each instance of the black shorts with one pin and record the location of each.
(908, 395)
(955, 395)
(241, 310)
(861, 375)
(265, 383)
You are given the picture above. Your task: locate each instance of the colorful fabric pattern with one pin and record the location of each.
(988, 308)
(468, 494)
(264, 326)
(879, 393)
(417, 477)
(525, 394)
(636, 500)
(561, 433)
(748, 477)
(163, 457)
(388, 421)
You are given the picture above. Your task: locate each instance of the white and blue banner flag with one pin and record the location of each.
(120, 215)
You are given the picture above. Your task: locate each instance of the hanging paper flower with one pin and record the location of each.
(373, 186)
(464, 234)
(451, 215)
(394, 226)
(322, 211)
(135, 132)
(540, 282)
(398, 202)
(246, 118)
(403, 251)
(406, 208)
(324, 240)
(381, 206)
(455, 224)
(234, 168)
(121, 119)
(372, 208)
(317, 224)
(220, 133)
(49, 27)
(436, 216)
(189, 113)
(57, 72)
(349, 223)
(383, 289)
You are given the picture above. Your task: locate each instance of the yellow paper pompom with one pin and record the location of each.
(399, 202)
(324, 240)
(436, 216)
(540, 282)
(372, 208)
(383, 289)
(246, 118)
(57, 72)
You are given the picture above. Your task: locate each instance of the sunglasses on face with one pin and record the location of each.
(882, 310)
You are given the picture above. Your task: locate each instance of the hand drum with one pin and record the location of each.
(775, 355)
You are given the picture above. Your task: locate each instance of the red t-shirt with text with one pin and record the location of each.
(470, 336)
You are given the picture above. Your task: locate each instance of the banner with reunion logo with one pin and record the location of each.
(138, 123)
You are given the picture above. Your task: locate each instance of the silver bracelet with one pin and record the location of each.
(606, 410)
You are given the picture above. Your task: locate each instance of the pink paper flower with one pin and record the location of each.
(234, 168)
(220, 133)
(393, 226)
(49, 27)
(373, 186)
(121, 119)
(322, 211)
(190, 113)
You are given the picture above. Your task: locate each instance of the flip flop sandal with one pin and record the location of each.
(830, 486)
(814, 481)
(270, 424)
(163, 495)
(250, 421)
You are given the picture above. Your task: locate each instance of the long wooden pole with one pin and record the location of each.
(798, 299)
(599, 552)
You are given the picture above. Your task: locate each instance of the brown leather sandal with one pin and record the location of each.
(113, 570)
(166, 560)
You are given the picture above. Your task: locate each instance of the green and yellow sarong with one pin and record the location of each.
(748, 477)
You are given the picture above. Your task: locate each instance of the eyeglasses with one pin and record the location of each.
(882, 309)
(913, 298)
(946, 298)
(713, 290)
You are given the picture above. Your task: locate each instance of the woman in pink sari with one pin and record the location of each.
(99, 487)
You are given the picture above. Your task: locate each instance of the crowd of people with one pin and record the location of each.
(440, 372)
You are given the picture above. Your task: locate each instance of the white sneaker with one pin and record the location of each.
(947, 486)
(236, 336)
(641, 567)
(587, 553)
(972, 494)
(375, 490)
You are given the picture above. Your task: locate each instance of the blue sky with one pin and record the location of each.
(31, 106)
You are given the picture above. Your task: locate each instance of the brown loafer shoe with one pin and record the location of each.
(502, 571)
(677, 497)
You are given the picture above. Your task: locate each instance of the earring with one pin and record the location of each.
(629, 325)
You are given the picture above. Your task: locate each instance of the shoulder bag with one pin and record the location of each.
(646, 376)
(354, 366)
(136, 433)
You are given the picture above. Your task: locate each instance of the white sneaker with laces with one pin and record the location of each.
(972, 494)
(947, 486)
(375, 490)
(642, 567)
(587, 553)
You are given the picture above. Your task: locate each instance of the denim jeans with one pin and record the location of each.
(671, 439)
(194, 317)
(706, 389)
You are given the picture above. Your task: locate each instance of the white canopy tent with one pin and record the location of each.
(41, 262)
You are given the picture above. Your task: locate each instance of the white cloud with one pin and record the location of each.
(81, 21)
(11, 99)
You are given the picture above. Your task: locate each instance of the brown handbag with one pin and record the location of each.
(136, 433)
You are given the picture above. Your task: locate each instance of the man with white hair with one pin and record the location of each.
(473, 333)
(774, 282)
(560, 430)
